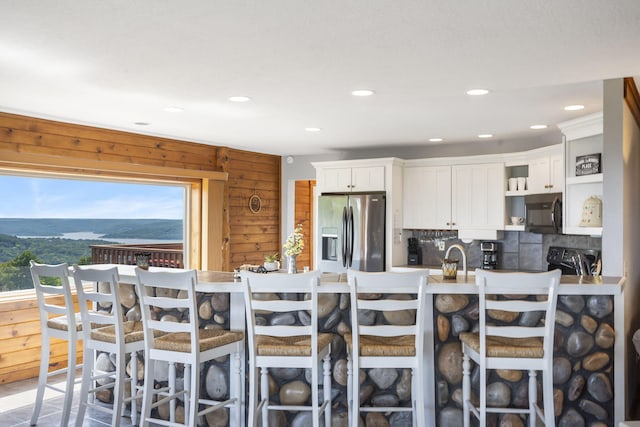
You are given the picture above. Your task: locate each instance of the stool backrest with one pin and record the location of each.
(50, 281)
(510, 292)
(385, 293)
(100, 302)
(279, 293)
(168, 290)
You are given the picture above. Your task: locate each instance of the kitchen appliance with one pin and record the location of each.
(574, 261)
(415, 252)
(351, 228)
(543, 213)
(489, 255)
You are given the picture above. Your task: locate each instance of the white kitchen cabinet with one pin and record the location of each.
(427, 201)
(350, 179)
(478, 201)
(546, 173)
(459, 197)
(583, 136)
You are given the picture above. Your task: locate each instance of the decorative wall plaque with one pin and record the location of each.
(255, 203)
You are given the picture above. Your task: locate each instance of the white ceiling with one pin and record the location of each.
(111, 63)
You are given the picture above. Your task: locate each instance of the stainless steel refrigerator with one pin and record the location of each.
(351, 230)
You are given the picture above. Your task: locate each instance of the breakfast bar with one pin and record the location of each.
(588, 355)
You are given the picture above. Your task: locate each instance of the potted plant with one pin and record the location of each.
(271, 262)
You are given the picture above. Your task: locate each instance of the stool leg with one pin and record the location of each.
(237, 375)
(134, 387)
(533, 398)
(189, 395)
(87, 373)
(549, 410)
(466, 390)
(71, 377)
(118, 389)
(264, 395)
(326, 387)
(42, 376)
(349, 391)
(172, 390)
(147, 398)
(417, 392)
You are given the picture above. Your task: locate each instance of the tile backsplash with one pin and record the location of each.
(518, 250)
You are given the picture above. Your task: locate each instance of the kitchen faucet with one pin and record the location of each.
(464, 257)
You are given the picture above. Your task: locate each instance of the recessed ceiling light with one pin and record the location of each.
(239, 98)
(536, 127)
(485, 135)
(142, 123)
(436, 139)
(574, 107)
(362, 92)
(476, 92)
(313, 129)
(172, 109)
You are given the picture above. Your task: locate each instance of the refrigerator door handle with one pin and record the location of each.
(351, 235)
(345, 220)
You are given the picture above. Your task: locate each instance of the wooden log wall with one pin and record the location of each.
(21, 340)
(246, 236)
(303, 215)
(251, 235)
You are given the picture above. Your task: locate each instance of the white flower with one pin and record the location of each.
(295, 242)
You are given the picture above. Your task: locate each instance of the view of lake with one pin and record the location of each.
(90, 235)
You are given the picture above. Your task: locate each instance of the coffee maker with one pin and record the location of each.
(489, 255)
(415, 252)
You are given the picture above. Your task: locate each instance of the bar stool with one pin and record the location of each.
(106, 331)
(182, 341)
(285, 346)
(387, 345)
(512, 346)
(57, 320)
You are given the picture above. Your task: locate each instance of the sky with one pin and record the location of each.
(27, 197)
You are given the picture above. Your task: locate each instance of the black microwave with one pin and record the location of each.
(543, 213)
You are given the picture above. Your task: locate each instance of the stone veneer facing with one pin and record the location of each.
(582, 368)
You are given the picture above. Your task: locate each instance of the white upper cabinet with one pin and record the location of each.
(351, 179)
(478, 196)
(427, 200)
(458, 197)
(546, 172)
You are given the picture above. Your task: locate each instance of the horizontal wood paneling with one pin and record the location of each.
(246, 237)
(251, 235)
(303, 209)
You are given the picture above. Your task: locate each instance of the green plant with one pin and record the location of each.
(271, 257)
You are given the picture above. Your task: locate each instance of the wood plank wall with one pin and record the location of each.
(251, 235)
(303, 215)
(21, 340)
(246, 236)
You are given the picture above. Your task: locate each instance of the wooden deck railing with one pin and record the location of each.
(161, 254)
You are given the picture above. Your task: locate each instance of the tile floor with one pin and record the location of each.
(17, 402)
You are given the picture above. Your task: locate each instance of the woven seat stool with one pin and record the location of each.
(106, 331)
(387, 345)
(182, 341)
(512, 346)
(58, 319)
(286, 346)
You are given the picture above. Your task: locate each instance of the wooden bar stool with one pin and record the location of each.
(57, 320)
(506, 346)
(182, 341)
(391, 344)
(285, 346)
(106, 331)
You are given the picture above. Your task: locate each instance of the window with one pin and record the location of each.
(56, 219)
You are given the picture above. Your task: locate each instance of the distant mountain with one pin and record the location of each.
(161, 229)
